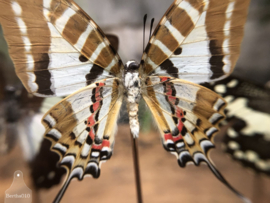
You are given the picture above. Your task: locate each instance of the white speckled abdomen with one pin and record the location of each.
(133, 87)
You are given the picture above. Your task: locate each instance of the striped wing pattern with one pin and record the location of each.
(46, 52)
(187, 116)
(248, 118)
(195, 41)
(198, 41)
(81, 128)
(57, 49)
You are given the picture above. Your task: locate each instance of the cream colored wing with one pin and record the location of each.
(187, 116)
(196, 40)
(55, 46)
(81, 128)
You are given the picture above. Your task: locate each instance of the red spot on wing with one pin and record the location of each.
(105, 143)
(172, 99)
(168, 136)
(180, 115)
(168, 91)
(179, 137)
(95, 106)
(91, 121)
(163, 79)
(97, 147)
(91, 134)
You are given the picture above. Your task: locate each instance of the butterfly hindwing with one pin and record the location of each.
(46, 49)
(81, 128)
(187, 116)
(186, 127)
(198, 41)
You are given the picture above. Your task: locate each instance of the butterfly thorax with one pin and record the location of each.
(133, 94)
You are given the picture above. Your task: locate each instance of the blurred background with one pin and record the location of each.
(22, 146)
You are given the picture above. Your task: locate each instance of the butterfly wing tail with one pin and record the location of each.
(224, 181)
(62, 191)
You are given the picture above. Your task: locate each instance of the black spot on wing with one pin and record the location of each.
(72, 136)
(106, 137)
(97, 114)
(219, 118)
(216, 61)
(183, 131)
(95, 129)
(94, 73)
(48, 123)
(49, 135)
(198, 122)
(178, 51)
(92, 109)
(43, 75)
(89, 140)
(93, 169)
(82, 58)
(175, 120)
(175, 132)
(105, 155)
(98, 141)
(168, 66)
(78, 143)
(184, 158)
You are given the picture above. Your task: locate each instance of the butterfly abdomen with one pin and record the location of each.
(133, 94)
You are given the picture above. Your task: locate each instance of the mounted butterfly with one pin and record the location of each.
(57, 50)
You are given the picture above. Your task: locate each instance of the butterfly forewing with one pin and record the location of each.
(47, 51)
(198, 41)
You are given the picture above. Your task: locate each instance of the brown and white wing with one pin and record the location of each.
(187, 116)
(81, 128)
(55, 46)
(196, 40)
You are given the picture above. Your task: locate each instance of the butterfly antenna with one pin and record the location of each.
(144, 22)
(151, 27)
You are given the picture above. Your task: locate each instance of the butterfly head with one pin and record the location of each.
(131, 66)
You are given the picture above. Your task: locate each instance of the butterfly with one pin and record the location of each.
(58, 50)
(247, 137)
